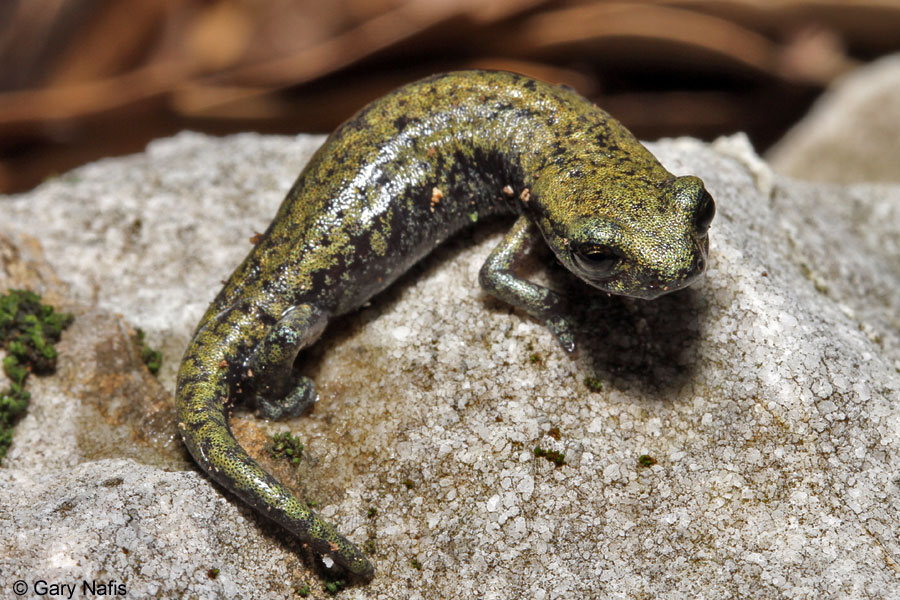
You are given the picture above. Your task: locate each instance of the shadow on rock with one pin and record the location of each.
(645, 345)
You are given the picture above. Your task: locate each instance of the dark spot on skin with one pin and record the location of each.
(524, 113)
(357, 122)
(266, 318)
(401, 122)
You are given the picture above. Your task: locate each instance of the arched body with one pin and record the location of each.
(385, 189)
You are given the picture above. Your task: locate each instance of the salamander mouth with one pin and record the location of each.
(651, 286)
(655, 290)
(610, 269)
(658, 288)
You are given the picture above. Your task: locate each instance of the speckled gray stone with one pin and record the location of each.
(766, 395)
(852, 133)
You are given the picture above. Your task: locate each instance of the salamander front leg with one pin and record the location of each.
(278, 394)
(498, 279)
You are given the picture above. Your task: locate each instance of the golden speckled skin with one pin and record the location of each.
(385, 189)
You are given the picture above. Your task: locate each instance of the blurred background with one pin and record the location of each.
(83, 79)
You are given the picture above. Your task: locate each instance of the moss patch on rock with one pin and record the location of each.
(28, 332)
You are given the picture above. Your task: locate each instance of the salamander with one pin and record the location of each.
(387, 187)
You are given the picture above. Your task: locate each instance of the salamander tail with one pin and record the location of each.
(202, 404)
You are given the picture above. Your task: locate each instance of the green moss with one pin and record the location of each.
(303, 590)
(213, 573)
(593, 384)
(369, 546)
(557, 458)
(28, 332)
(645, 460)
(152, 358)
(334, 586)
(287, 446)
(416, 564)
(408, 484)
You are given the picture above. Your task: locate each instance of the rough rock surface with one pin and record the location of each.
(852, 133)
(763, 401)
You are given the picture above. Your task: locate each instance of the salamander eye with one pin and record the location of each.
(599, 262)
(706, 210)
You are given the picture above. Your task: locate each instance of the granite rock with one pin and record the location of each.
(852, 133)
(738, 439)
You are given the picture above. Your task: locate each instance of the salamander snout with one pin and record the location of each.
(654, 246)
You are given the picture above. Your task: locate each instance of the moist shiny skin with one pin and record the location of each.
(385, 189)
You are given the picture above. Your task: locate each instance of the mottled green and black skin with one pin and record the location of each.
(385, 189)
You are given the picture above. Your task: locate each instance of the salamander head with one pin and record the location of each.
(641, 240)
